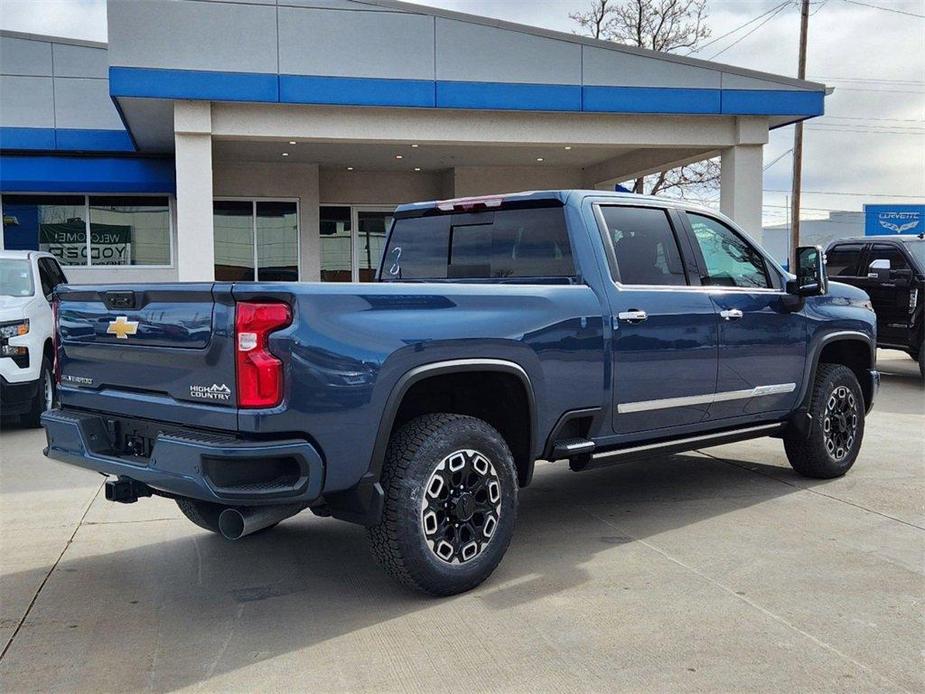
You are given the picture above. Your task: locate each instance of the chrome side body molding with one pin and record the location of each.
(687, 401)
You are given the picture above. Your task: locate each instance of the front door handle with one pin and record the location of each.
(633, 316)
(731, 314)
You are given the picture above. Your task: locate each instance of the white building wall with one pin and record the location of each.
(483, 180)
(381, 187)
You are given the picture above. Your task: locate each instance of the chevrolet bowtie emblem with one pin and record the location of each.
(122, 327)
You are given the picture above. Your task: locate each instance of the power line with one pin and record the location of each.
(885, 9)
(867, 79)
(860, 195)
(871, 118)
(779, 10)
(768, 166)
(738, 28)
(879, 91)
(868, 132)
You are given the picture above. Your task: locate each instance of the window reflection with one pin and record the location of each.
(372, 228)
(277, 242)
(336, 244)
(233, 224)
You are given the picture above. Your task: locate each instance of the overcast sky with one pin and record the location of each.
(871, 142)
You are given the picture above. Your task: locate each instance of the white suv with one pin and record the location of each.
(27, 384)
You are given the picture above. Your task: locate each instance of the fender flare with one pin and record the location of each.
(451, 366)
(816, 347)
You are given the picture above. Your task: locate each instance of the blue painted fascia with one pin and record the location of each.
(651, 100)
(65, 139)
(204, 85)
(367, 91)
(355, 91)
(773, 102)
(70, 174)
(508, 96)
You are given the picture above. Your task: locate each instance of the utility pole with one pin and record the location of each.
(798, 147)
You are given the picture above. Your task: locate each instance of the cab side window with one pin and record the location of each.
(645, 249)
(843, 260)
(45, 278)
(50, 275)
(892, 254)
(730, 261)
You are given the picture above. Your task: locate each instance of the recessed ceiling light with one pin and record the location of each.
(539, 158)
(567, 147)
(417, 168)
(349, 168)
(285, 154)
(415, 146)
(399, 156)
(291, 142)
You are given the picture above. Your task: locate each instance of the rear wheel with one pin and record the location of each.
(44, 397)
(450, 504)
(834, 440)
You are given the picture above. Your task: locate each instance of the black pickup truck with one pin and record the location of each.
(891, 269)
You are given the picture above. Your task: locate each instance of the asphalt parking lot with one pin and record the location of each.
(712, 571)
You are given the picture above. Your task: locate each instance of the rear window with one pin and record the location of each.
(518, 243)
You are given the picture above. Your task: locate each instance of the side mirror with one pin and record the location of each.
(879, 269)
(811, 277)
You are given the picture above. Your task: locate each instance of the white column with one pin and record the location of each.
(741, 175)
(195, 237)
(309, 224)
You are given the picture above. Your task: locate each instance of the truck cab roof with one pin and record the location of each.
(564, 196)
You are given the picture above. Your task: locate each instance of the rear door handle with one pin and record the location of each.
(731, 314)
(633, 316)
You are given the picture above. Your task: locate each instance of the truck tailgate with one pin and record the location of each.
(162, 351)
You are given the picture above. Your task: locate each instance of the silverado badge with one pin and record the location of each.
(122, 327)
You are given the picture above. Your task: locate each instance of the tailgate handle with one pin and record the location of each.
(124, 299)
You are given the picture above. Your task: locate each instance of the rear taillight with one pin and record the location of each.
(56, 361)
(259, 373)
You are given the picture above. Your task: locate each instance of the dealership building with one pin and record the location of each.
(269, 139)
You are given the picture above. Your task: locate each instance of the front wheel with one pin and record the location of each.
(45, 396)
(450, 504)
(834, 441)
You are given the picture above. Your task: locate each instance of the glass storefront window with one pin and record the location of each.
(53, 223)
(277, 242)
(372, 226)
(336, 244)
(256, 241)
(129, 231)
(124, 230)
(233, 224)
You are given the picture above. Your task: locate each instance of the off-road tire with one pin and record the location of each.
(205, 514)
(809, 455)
(41, 402)
(415, 454)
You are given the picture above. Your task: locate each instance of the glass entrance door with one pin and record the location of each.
(256, 240)
(352, 239)
(371, 226)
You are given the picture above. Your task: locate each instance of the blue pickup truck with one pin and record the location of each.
(579, 326)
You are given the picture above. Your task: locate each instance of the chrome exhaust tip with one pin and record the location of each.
(237, 522)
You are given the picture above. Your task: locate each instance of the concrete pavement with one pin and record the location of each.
(718, 570)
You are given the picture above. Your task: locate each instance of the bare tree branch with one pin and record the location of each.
(660, 25)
